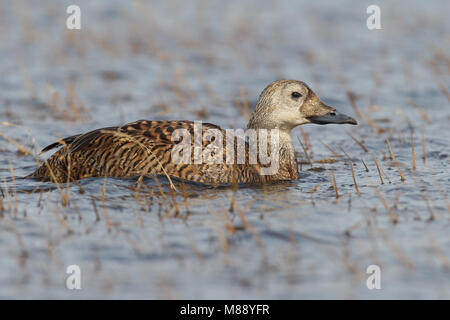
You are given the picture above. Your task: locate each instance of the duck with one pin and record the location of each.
(147, 147)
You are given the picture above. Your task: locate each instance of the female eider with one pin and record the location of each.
(146, 148)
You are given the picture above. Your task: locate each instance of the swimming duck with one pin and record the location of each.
(146, 148)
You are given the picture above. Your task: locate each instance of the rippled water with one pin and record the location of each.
(169, 60)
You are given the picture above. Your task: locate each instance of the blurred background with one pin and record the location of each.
(209, 60)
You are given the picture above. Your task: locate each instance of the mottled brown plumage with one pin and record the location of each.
(144, 148)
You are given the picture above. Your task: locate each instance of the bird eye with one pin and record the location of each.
(296, 94)
(332, 114)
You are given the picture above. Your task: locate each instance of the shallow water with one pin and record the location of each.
(140, 61)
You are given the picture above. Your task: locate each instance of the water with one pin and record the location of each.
(171, 61)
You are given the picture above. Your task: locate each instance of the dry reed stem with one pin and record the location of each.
(161, 191)
(13, 179)
(55, 103)
(424, 154)
(365, 166)
(19, 147)
(245, 104)
(247, 225)
(353, 172)
(144, 147)
(72, 110)
(358, 142)
(29, 86)
(305, 138)
(94, 206)
(314, 189)
(351, 99)
(183, 191)
(441, 255)
(431, 218)
(228, 223)
(346, 260)
(52, 176)
(135, 193)
(326, 160)
(412, 151)
(69, 171)
(172, 194)
(233, 198)
(333, 182)
(234, 187)
(356, 226)
(81, 189)
(421, 113)
(331, 150)
(105, 211)
(2, 209)
(395, 161)
(9, 124)
(385, 174)
(441, 191)
(403, 258)
(397, 199)
(292, 238)
(221, 233)
(444, 91)
(8, 196)
(62, 222)
(238, 106)
(195, 249)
